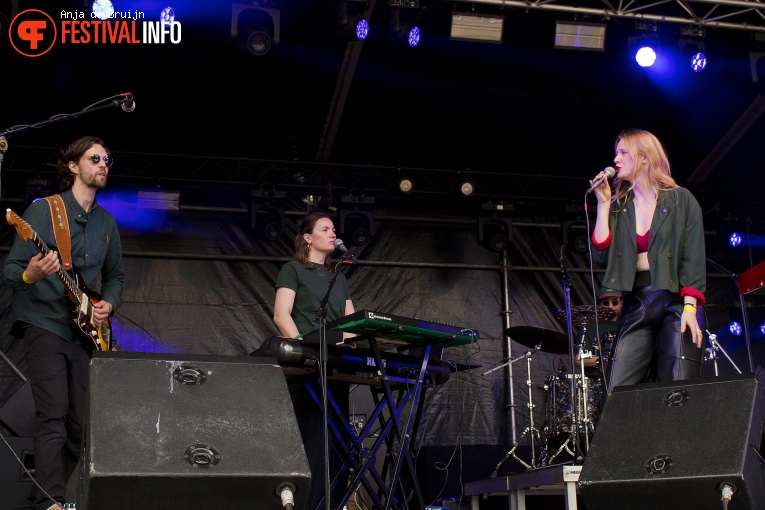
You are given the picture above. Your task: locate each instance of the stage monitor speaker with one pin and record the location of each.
(171, 431)
(674, 445)
(14, 481)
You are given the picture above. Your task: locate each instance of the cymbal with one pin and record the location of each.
(585, 315)
(552, 341)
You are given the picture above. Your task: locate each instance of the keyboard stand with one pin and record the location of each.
(397, 485)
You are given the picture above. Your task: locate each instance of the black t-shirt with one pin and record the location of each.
(310, 286)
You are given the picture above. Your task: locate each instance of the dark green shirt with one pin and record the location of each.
(96, 251)
(675, 247)
(310, 286)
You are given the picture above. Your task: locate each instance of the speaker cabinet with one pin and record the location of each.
(167, 431)
(673, 445)
(14, 481)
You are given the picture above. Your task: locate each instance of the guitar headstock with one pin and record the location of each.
(23, 229)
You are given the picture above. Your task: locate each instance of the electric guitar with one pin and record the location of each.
(83, 322)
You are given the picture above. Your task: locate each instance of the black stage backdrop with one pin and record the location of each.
(203, 283)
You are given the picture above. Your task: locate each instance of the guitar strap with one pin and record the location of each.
(60, 223)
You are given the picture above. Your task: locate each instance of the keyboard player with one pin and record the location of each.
(301, 285)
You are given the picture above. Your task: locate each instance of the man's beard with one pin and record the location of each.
(95, 184)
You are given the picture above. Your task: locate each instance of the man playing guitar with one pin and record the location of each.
(57, 354)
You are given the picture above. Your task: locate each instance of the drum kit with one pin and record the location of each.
(572, 401)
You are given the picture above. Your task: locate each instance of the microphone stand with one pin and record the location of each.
(713, 352)
(3, 148)
(744, 319)
(112, 102)
(321, 318)
(565, 282)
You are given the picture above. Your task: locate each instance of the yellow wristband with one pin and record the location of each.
(689, 308)
(26, 278)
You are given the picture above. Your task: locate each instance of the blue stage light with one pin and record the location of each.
(735, 239)
(362, 29)
(103, 9)
(645, 56)
(414, 36)
(735, 328)
(762, 328)
(698, 62)
(167, 16)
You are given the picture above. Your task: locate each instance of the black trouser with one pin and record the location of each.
(649, 345)
(311, 424)
(58, 371)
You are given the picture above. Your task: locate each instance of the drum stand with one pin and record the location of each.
(578, 402)
(531, 429)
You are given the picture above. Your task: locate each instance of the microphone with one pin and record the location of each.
(340, 246)
(127, 104)
(609, 172)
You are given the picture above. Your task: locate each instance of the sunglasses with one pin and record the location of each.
(614, 302)
(95, 158)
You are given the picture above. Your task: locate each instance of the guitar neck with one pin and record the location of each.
(71, 286)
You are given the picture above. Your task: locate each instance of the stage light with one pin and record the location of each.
(762, 328)
(693, 51)
(495, 226)
(404, 27)
(267, 213)
(257, 42)
(167, 16)
(405, 185)
(734, 239)
(575, 234)
(351, 23)
(496, 238)
(735, 328)
(467, 188)
(103, 9)
(580, 36)
(476, 27)
(643, 49)
(645, 56)
(414, 36)
(255, 29)
(698, 62)
(356, 217)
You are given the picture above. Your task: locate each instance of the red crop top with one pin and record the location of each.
(642, 242)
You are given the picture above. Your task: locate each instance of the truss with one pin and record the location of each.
(297, 178)
(728, 14)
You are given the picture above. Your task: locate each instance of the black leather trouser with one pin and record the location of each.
(649, 345)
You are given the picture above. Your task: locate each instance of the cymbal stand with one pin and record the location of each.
(582, 398)
(712, 352)
(531, 429)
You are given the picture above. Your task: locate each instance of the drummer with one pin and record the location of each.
(607, 298)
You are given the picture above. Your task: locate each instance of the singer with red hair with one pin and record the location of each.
(650, 235)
